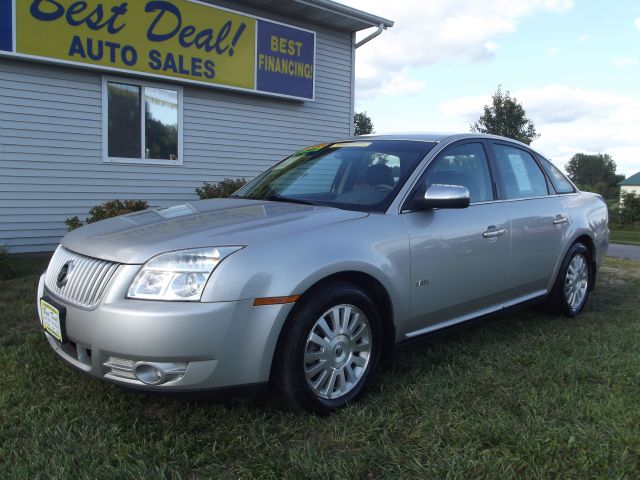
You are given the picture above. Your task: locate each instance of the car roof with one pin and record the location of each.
(419, 137)
(433, 137)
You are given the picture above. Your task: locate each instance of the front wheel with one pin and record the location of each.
(330, 348)
(571, 290)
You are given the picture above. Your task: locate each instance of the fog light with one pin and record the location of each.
(149, 374)
(158, 373)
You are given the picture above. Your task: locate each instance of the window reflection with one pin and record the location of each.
(124, 120)
(161, 123)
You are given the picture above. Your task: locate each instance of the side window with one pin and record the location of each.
(521, 176)
(464, 165)
(558, 180)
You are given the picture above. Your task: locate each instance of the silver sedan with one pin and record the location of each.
(317, 268)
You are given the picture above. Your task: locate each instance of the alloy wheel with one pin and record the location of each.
(337, 351)
(576, 281)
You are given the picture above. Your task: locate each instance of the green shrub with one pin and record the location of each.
(222, 189)
(6, 269)
(73, 223)
(614, 212)
(108, 210)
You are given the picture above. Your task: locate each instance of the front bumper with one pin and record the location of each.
(213, 345)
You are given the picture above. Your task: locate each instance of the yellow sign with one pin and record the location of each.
(178, 38)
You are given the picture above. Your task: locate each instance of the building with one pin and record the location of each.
(107, 99)
(630, 185)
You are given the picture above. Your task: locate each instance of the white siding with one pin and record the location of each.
(51, 141)
(630, 189)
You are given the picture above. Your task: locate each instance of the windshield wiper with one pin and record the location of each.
(278, 198)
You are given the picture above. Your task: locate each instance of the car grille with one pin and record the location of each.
(86, 280)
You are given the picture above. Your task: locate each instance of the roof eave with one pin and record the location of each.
(632, 181)
(326, 13)
(367, 19)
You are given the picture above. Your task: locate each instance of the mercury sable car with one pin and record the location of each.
(318, 267)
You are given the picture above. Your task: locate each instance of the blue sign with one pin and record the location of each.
(6, 25)
(286, 60)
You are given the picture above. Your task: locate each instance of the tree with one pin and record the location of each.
(630, 208)
(362, 123)
(506, 117)
(595, 173)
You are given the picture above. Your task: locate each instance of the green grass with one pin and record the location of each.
(521, 395)
(629, 237)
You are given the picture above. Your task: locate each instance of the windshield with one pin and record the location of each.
(356, 175)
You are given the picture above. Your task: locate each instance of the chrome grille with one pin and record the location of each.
(86, 280)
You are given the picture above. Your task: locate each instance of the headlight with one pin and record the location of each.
(179, 275)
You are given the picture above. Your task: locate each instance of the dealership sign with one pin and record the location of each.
(183, 39)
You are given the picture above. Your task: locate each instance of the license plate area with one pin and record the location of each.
(53, 319)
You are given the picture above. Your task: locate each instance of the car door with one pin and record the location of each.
(459, 257)
(540, 220)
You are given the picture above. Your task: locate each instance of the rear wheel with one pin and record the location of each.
(572, 286)
(330, 348)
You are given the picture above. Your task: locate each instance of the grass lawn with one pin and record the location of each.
(524, 394)
(629, 237)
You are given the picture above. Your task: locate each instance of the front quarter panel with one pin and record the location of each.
(376, 245)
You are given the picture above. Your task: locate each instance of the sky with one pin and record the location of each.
(573, 64)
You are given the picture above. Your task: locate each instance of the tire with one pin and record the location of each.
(330, 347)
(571, 289)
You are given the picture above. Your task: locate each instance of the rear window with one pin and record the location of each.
(558, 180)
(521, 176)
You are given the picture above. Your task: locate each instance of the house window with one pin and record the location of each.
(142, 122)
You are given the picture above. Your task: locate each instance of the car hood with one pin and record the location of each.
(136, 237)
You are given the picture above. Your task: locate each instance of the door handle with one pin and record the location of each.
(491, 233)
(560, 219)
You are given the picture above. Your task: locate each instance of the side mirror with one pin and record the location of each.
(442, 196)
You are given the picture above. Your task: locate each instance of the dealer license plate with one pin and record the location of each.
(51, 320)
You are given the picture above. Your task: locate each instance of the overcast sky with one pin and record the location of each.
(573, 64)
